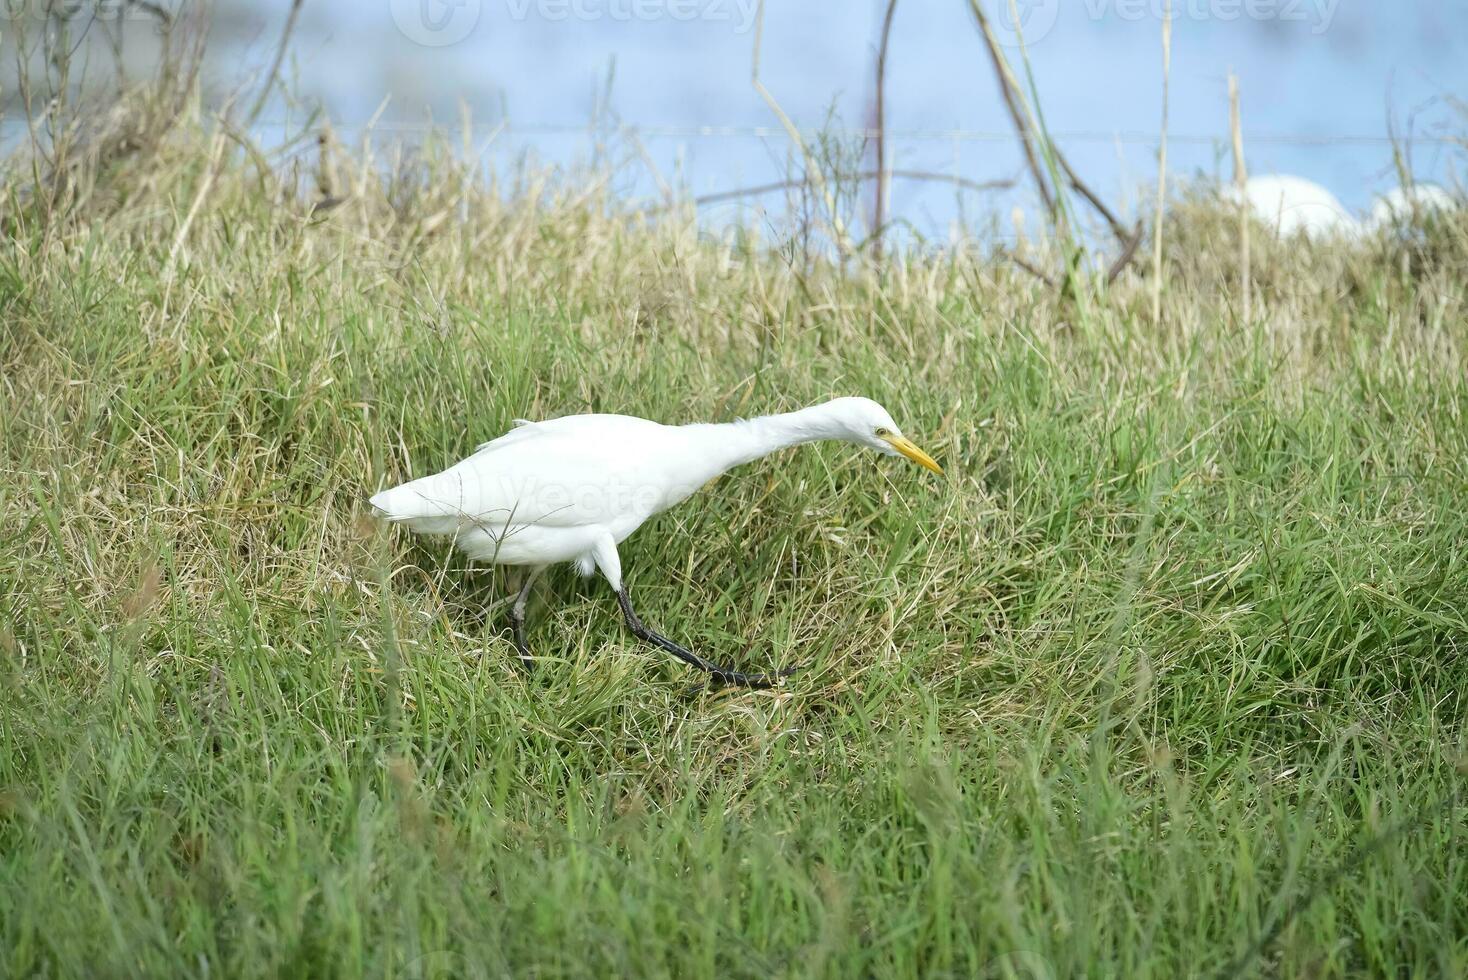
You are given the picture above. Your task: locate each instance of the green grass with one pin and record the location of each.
(1165, 679)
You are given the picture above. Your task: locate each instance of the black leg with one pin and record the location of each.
(521, 646)
(517, 621)
(717, 673)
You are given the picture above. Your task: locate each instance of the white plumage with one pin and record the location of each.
(571, 489)
(1293, 206)
(1403, 205)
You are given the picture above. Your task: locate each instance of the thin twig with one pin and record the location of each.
(664, 187)
(243, 141)
(812, 167)
(879, 208)
(1033, 270)
(964, 183)
(1161, 166)
(1122, 232)
(1128, 252)
(1014, 100)
(1031, 131)
(285, 40)
(1241, 181)
(206, 182)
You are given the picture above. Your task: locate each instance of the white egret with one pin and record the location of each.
(571, 489)
(1402, 206)
(1293, 205)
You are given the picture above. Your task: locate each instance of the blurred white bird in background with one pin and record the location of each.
(1406, 205)
(571, 489)
(1293, 206)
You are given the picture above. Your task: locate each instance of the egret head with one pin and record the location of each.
(863, 421)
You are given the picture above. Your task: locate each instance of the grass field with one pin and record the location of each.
(1166, 678)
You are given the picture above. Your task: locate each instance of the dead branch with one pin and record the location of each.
(879, 206)
(1033, 270)
(280, 49)
(1130, 244)
(1013, 100)
(718, 197)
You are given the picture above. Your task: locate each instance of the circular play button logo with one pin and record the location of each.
(1027, 20)
(435, 23)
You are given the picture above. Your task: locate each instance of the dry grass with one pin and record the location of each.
(1169, 673)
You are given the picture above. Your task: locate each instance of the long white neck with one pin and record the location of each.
(730, 444)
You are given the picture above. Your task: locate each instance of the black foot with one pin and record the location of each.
(717, 674)
(517, 620)
(758, 682)
(521, 647)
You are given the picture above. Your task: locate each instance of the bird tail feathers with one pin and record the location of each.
(390, 504)
(422, 505)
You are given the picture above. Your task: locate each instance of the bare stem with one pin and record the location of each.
(1241, 181)
(879, 206)
(1161, 167)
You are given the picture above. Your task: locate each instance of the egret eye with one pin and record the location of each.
(883, 433)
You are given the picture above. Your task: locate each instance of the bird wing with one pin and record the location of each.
(567, 472)
(518, 429)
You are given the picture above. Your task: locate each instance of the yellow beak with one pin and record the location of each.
(912, 452)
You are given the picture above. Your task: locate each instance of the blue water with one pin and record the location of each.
(1319, 79)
